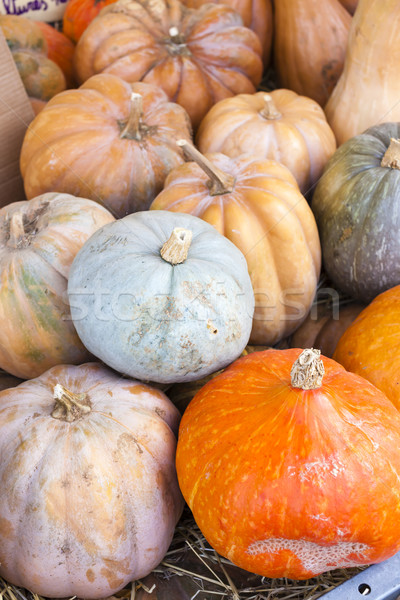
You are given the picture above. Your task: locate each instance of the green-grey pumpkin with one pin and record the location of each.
(357, 208)
(161, 296)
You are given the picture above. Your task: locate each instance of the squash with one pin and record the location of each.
(78, 14)
(108, 141)
(370, 346)
(310, 45)
(174, 47)
(256, 15)
(281, 126)
(89, 495)
(367, 93)
(291, 465)
(38, 242)
(356, 207)
(171, 296)
(324, 326)
(42, 78)
(256, 204)
(60, 50)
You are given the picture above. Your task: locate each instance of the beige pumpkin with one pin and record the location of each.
(38, 242)
(89, 497)
(281, 126)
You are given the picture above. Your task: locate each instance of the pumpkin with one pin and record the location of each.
(108, 141)
(89, 495)
(291, 465)
(42, 78)
(174, 47)
(256, 204)
(350, 5)
(324, 326)
(38, 242)
(171, 296)
(367, 92)
(281, 126)
(78, 14)
(60, 50)
(370, 346)
(310, 45)
(356, 207)
(256, 15)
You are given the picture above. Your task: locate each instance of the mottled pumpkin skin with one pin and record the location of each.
(356, 208)
(78, 14)
(256, 15)
(162, 323)
(269, 220)
(60, 50)
(310, 45)
(41, 77)
(87, 506)
(75, 145)
(371, 345)
(210, 56)
(36, 328)
(291, 483)
(300, 138)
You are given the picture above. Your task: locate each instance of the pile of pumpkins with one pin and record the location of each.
(175, 214)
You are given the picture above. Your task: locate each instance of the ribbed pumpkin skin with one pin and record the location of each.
(371, 345)
(78, 135)
(60, 49)
(78, 14)
(371, 70)
(292, 483)
(356, 208)
(300, 138)
(256, 15)
(42, 78)
(162, 322)
(211, 55)
(310, 45)
(86, 506)
(37, 330)
(268, 219)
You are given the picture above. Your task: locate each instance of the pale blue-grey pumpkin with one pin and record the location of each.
(155, 320)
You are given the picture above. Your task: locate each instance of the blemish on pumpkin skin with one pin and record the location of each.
(90, 575)
(113, 581)
(6, 528)
(346, 234)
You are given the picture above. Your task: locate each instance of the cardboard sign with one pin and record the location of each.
(15, 115)
(39, 10)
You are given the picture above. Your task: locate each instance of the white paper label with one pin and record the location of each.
(39, 10)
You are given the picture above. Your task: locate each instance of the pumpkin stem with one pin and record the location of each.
(269, 111)
(132, 127)
(391, 158)
(308, 370)
(69, 406)
(219, 182)
(176, 248)
(17, 231)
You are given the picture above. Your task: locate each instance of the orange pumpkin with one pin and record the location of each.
(367, 92)
(291, 465)
(310, 45)
(78, 14)
(108, 141)
(89, 496)
(41, 77)
(196, 56)
(257, 205)
(371, 345)
(60, 50)
(256, 15)
(38, 242)
(281, 126)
